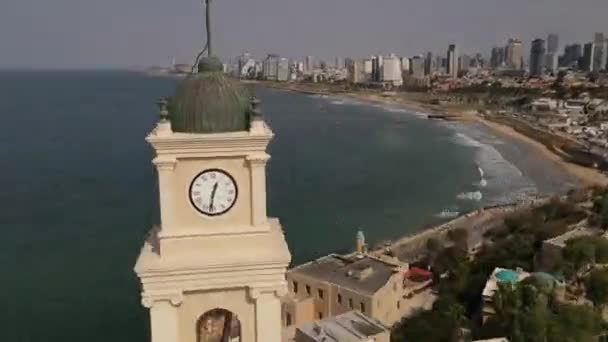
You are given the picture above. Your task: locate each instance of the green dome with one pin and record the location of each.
(209, 102)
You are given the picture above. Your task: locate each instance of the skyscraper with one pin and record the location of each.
(464, 62)
(552, 43)
(495, 57)
(588, 53)
(452, 67)
(417, 67)
(572, 55)
(514, 54)
(599, 53)
(537, 57)
(309, 64)
(429, 64)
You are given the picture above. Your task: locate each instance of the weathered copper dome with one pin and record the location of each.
(209, 102)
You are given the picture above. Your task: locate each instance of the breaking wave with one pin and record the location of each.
(471, 196)
(446, 213)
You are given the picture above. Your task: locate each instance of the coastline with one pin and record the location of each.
(585, 175)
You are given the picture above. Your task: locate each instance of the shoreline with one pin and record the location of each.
(585, 175)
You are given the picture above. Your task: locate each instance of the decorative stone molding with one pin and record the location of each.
(175, 299)
(165, 163)
(256, 293)
(258, 159)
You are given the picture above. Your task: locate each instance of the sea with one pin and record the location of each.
(79, 190)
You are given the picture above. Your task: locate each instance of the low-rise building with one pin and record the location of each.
(352, 326)
(380, 287)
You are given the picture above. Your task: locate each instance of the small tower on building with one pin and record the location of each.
(215, 267)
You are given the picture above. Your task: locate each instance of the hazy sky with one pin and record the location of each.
(125, 33)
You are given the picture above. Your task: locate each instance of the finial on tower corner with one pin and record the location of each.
(254, 103)
(162, 106)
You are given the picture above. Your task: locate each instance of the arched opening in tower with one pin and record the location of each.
(218, 325)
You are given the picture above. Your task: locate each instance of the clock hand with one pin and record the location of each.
(213, 196)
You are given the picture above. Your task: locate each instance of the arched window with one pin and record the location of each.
(218, 325)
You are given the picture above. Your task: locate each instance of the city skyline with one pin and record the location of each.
(72, 34)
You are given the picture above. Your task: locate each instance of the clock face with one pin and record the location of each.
(213, 192)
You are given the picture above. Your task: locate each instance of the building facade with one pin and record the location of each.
(452, 66)
(537, 57)
(392, 74)
(600, 52)
(378, 287)
(514, 53)
(588, 55)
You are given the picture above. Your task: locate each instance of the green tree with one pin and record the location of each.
(597, 287)
(580, 252)
(460, 238)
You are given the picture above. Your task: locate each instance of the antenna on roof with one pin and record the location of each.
(207, 46)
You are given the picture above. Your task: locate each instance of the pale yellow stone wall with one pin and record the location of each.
(198, 303)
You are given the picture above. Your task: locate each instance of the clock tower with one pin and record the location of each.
(214, 270)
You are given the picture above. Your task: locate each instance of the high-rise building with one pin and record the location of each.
(309, 64)
(464, 62)
(270, 68)
(552, 43)
(356, 71)
(339, 63)
(551, 62)
(495, 57)
(391, 71)
(405, 64)
(440, 64)
(452, 67)
(429, 64)
(514, 54)
(588, 54)
(377, 65)
(417, 67)
(572, 56)
(537, 57)
(599, 52)
(368, 67)
(283, 69)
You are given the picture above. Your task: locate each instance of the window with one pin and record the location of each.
(320, 314)
(308, 290)
(287, 319)
(362, 307)
(339, 298)
(295, 287)
(350, 303)
(320, 292)
(395, 287)
(398, 304)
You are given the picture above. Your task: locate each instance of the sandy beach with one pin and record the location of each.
(586, 176)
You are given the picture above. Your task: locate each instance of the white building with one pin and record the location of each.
(392, 74)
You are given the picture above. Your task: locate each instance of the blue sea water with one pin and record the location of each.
(78, 189)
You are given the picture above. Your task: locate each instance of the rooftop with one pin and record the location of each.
(352, 326)
(358, 272)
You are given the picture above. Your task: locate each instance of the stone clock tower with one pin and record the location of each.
(215, 268)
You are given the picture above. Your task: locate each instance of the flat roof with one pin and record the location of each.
(357, 272)
(350, 326)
